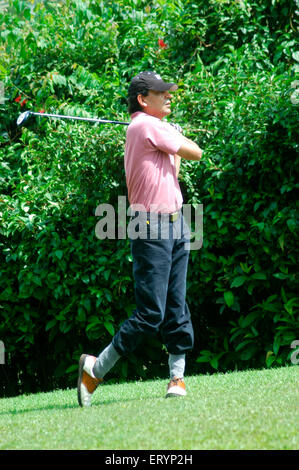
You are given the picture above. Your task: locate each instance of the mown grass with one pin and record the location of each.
(238, 410)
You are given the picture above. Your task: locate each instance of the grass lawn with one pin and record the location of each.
(239, 410)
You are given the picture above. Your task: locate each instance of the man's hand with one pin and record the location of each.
(188, 150)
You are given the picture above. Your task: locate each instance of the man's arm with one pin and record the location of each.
(189, 150)
(177, 162)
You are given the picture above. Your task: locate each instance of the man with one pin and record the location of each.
(152, 160)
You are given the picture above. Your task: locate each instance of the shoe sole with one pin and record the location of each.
(80, 373)
(174, 395)
(176, 391)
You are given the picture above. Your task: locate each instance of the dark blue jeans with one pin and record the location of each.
(160, 261)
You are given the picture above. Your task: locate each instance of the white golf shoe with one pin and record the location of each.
(87, 382)
(176, 388)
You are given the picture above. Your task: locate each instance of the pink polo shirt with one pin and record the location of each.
(149, 164)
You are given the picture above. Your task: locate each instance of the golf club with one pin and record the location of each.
(25, 116)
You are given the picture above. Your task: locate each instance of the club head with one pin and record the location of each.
(23, 118)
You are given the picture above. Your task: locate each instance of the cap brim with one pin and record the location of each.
(164, 87)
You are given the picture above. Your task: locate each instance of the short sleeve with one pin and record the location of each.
(162, 136)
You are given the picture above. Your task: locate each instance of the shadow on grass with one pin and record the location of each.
(96, 404)
(32, 410)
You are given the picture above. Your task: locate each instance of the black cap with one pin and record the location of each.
(151, 81)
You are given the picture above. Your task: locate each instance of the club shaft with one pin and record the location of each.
(78, 118)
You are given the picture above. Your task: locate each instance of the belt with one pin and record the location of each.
(172, 217)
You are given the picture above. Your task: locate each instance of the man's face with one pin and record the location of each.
(156, 103)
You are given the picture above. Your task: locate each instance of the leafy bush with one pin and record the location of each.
(248, 188)
(63, 291)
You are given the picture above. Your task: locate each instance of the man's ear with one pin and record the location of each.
(140, 99)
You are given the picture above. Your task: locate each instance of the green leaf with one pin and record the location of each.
(261, 276)
(235, 334)
(281, 275)
(248, 353)
(110, 328)
(243, 344)
(249, 319)
(229, 298)
(214, 363)
(281, 242)
(87, 304)
(27, 14)
(50, 324)
(205, 356)
(291, 223)
(108, 295)
(295, 56)
(85, 278)
(238, 281)
(58, 254)
(3, 71)
(276, 345)
(81, 316)
(203, 359)
(246, 268)
(270, 358)
(72, 368)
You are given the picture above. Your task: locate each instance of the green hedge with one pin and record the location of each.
(63, 291)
